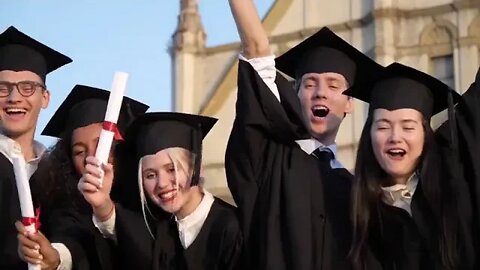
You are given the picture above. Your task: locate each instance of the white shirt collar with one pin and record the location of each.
(6, 148)
(190, 226)
(310, 145)
(401, 195)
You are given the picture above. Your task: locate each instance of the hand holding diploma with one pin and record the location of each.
(110, 131)
(97, 194)
(34, 248)
(29, 219)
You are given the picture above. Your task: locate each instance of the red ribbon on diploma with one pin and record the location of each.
(27, 221)
(110, 126)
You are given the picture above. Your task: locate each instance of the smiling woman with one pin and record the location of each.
(172, 170)
(404, 206)
(183, 225)
(397, 141)
(66, 217)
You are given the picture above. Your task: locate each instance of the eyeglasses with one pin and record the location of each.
(25, 88)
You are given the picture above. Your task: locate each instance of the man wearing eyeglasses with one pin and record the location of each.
(24, 64)
(21, 102)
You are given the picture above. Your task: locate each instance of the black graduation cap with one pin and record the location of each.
(87, 105)
(153, 132)
(19, 52)
(399, 86)
(324, 51)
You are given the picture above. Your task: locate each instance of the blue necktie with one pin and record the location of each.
(324, 156)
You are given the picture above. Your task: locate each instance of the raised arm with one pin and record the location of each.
(463, 163)
(125, 227)
(254, 39)
(260, 118)
(263, 125)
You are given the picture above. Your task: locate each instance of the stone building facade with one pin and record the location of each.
(440, 37)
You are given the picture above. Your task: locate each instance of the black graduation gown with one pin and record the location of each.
(217, 245)
(9, 214)
(294, 214)
(75, 229)
(398, 241)
(68, 220)
(464, 169)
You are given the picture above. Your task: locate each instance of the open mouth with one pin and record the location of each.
(320, 111)
(15, 112)
(166, 196)
(396, 153)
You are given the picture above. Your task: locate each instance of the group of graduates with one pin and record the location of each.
(413, 201)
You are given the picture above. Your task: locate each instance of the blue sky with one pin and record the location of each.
(114, 35)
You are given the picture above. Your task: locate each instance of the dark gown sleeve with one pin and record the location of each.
(232, 246)
(88, 248)
(278, 188)
(9, 213)
(468, 122)
(217, 245)
(260, 118)
(134, 243)
(464, 168)
(231, 237)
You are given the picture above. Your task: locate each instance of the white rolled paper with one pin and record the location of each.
(111, 115)
(24, 194)
(119, 86)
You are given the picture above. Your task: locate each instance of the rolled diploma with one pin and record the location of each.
(111, 115)
(24, 195)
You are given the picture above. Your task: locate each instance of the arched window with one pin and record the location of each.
(442, 68)
(439, 39)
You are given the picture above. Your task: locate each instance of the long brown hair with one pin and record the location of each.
(57, 178)
(366, 196)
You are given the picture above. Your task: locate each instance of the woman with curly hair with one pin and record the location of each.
(71, 239)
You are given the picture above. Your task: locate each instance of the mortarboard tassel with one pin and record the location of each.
(452, 124)
(197, 150)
